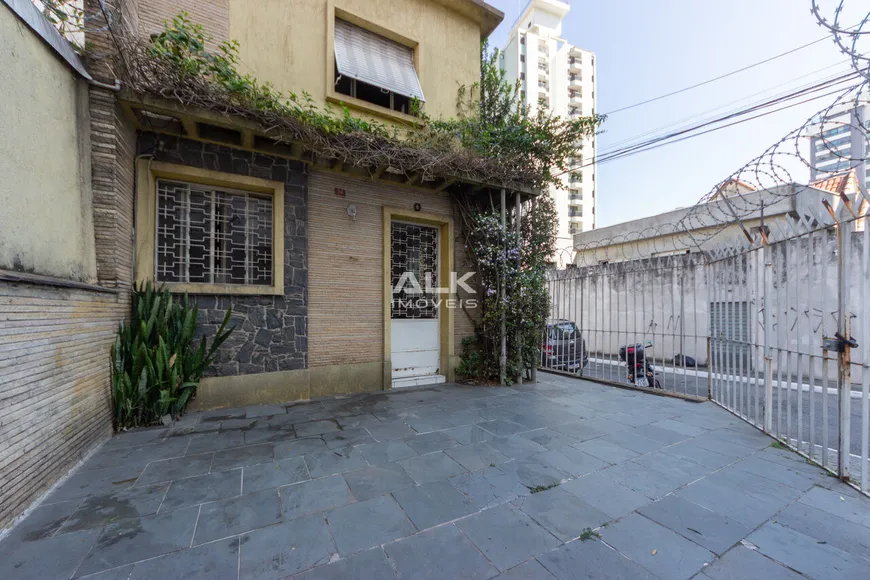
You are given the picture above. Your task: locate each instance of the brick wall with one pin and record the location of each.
(271, 331)
(54, 385)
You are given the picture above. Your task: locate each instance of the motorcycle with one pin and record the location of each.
(640, 371)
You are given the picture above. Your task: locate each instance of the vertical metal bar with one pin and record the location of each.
(865, 361)
(518, 205)
(537, 357)
(812, 342)
(800, 358)
(664, 317)
(673, 272)
(730, 367)
(502, 360)
(768, 359)
(824, 253)
(695, 333)
(780, 263)
(844, 358)
(746, 331)
(787, 273)
(682, 279)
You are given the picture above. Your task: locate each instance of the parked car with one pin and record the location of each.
(563, 349)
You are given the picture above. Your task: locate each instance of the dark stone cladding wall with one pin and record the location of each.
(271, 331)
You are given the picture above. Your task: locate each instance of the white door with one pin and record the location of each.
(414, 322)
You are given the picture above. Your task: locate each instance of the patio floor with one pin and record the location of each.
(563, 479)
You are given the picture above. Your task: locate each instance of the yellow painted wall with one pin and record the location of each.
(46, 223)
(285, 42)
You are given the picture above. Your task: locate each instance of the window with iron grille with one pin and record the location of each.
(209, 235)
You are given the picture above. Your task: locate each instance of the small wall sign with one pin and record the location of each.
(339, 191)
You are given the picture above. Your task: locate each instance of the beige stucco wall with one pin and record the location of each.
(285, 42)
(46, 223)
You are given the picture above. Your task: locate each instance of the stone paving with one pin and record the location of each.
(562, 479)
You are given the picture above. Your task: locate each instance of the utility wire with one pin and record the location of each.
(704, 114)
(720, 77)
(671, 137)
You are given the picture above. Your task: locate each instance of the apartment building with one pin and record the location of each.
(839, 142)
(558, 77)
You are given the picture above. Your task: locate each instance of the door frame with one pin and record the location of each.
(445, 265)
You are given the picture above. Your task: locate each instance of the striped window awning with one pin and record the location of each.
(373, 59)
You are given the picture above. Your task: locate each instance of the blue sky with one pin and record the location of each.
(647, 48)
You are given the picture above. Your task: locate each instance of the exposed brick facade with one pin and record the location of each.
(271, 331)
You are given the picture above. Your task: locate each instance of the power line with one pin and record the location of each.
(720, 77)
(613, 146)
(671, 137)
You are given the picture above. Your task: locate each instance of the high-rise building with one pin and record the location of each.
(839, 142)
(558, 77)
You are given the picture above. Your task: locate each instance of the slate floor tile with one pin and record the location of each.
(605, 495)
(390, 430)
(740, 563)
(826, 527)
(506, 536)
(573, 461)
(298, 447)
(642, 479)
(369, 565)
(138, 539)
(332, 461)
(515, 446)
(315, 495)
(431, 442)
(136, 437)
(289, 548)
(98, 510)
(43, 521)
(279, 434)
(315, 428)
(347, 438)
(561, 513)
(202, 488)
(631, 441)
(732, 502)
(439, 553)
(83, 483)
(241, 424)
(656, 548)
(356, 421)
(476, 456)
(215, 561)
(807, 555)
(56, 557)
(693, 452)
(243, 456)
(580, 430)
(853, 509)
(549, 438)
(534, 471)
(489, 487)
(215, 442)
(660, 434)
(169, 469)
(713, 531)
(606, 450)
(431, 504)
(502, 427)
(264, 411)
(676, 468)
(431, 467)
(386, 452)
(363, 525)
(469, 434)
(594, 560)
(528, 570)
(139, 455)
(275, 474)
(230, 517)
(374, 481)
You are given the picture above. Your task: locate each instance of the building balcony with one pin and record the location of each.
(574, 64)
(574, 81)
(575, 217)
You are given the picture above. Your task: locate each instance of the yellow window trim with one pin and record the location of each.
(333, 96)
(147, 174)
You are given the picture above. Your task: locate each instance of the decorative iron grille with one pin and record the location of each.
(414, 260)
(213, 236)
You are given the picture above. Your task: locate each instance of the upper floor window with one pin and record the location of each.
(375, 69)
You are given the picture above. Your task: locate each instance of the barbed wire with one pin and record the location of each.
(825, 158)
